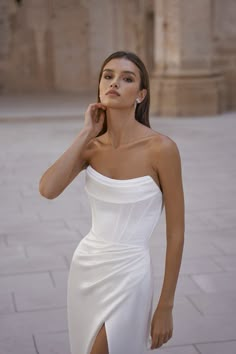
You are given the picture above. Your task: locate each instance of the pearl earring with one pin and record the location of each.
(137, 100)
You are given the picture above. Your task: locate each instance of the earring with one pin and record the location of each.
(137, 100)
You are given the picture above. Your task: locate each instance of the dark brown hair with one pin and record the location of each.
(142, 109)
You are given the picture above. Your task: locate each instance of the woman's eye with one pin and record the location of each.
(128, 79)
(107, 76)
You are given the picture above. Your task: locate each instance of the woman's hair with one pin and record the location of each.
(142, 109)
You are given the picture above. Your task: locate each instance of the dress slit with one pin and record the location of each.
(93, 340)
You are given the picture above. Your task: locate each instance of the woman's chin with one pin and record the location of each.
(109, 104)
(112, 103)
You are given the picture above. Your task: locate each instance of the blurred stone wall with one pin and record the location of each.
(60, 44)
(189, 48)
(224, 44)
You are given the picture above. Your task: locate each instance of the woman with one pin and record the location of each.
(131, 172)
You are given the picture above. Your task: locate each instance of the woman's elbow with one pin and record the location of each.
(44, 193)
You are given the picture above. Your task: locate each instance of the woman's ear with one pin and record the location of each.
(142, 95)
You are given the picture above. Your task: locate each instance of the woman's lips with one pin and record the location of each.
(112, 93)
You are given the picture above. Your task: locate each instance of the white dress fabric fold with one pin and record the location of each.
(111, 275)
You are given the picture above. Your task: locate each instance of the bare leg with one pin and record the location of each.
(100, 345)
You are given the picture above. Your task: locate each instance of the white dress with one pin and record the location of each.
(110, 279)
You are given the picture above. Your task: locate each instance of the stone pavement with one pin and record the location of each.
(38, 236)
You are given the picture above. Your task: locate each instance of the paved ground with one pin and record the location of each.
(38, 236)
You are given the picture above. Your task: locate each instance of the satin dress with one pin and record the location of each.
(111, 275)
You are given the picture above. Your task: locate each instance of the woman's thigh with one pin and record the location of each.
(100, 345)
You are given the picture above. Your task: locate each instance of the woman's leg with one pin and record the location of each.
(100, 345)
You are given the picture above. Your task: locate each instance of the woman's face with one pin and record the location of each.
(122, 76)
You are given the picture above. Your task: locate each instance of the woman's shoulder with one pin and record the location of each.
(163, 148)
(161, 141)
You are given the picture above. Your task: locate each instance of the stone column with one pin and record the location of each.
(29, 59)
(38, 24)
(184, 81)
(224, 36)
(7, 9)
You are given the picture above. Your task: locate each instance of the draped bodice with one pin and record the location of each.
(123, 211)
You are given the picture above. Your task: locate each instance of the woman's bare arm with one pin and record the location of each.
(170, 174)
(65, 168)
(58, 176)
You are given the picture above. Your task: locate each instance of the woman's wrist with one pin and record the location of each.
(165, 306)
(87, 133)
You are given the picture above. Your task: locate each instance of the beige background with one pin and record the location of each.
(188, 46)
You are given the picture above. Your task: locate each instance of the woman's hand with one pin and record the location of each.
(94, 118)
(161, 327)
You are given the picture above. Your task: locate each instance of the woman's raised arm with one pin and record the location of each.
(58, 176)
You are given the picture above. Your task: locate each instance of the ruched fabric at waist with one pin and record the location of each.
(95, 243)
(109, 264)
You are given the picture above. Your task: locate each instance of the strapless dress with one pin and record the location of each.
(111, 275)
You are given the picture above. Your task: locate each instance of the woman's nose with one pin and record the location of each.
(114, 84)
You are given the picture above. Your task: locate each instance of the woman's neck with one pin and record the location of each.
(121, 126)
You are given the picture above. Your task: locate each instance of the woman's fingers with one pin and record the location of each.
(100, 105)
(94, 106)
(95, 110)
(159, 339)
(100, 114)
(94, 117)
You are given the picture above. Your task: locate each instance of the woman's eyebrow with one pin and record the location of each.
(124, 71)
